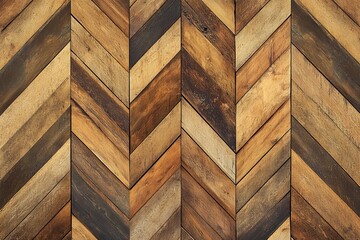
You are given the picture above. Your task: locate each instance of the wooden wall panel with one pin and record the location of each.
(325, 120)
(34, 119)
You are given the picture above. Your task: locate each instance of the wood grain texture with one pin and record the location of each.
(34, 119)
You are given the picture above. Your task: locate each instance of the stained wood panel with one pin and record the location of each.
(34, 119)
(325, 120)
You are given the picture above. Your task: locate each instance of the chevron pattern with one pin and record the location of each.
(325, 120)
(126, 119)
(263, 119)
(34, 119)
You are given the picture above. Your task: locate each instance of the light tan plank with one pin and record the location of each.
(155, 144)
(283, 232)
(106, 68)
(24, 201)
(262, 101)
(208, 140)
(323, 129)
(321, 197)
(102, 29)
(224, 10)
(351, 7)
(255, 33)
(79, 231)
(14, 37)
(9, 10)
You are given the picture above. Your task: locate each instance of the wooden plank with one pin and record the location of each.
(101, 62)
(344, 30)
(351, 7)
(35, 190)
(153, 29)
(157, 210)
(306, 222)
(34, 56)
(259, 29)
(247, 10)
(208, 174)
(155, 145)
(208, 140)
(209, 99)
(25, 26)
(155, 59)
(264, 98)
(10, 10)
(327, 55)
(196, 197)
(42, 213)
(59, 226)
(155, 177)
(263, 140)
(262, 171)
(155, 102)
(262, 59)
(171, 229)
(79, 231)
(322, 198)
(323, 129)
(68, 236)
(270, 194)
(185, 235)
(90, 16)
(323, 93)
(141, 12)
(100, 175)
(224, 10)
(283, 232)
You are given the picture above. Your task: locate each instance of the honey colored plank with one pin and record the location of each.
(59, 226)
(263, 140)
(157, 210)
(326, 54)
(85, 129)
(283, 232)
(153, 179)
(34, 56)
(155, 102)
(10, 10)
(208, 140)
(323, 93)
(79, 231)
(194, 224)
(35, 190)
(100, 175)
(262, 101)
(32, 131)
(101, 63)
(266, 198)
(29, 21)
(90, 16)
(39, 90)
(306, 222)
(224, 10)
(262, 171)
(324, 200)
(208, 174)
(259, 29)
(246, 10)
(197, 13)
(196, 197)
(117, 11)
(344, 29)
(323, 129)
(171, 229)
(107, 112)
(351, 7)
(262, 59)
(44, 211)
(155, 59)
(208, 57)
(155, 144)
(141, 11)
(68, 236)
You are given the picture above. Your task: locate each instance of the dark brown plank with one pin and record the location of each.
(155, 102)
(171, 229)
(34, 56)
(306, 223)
(326, 54)
(209, 99)
(246, 10)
